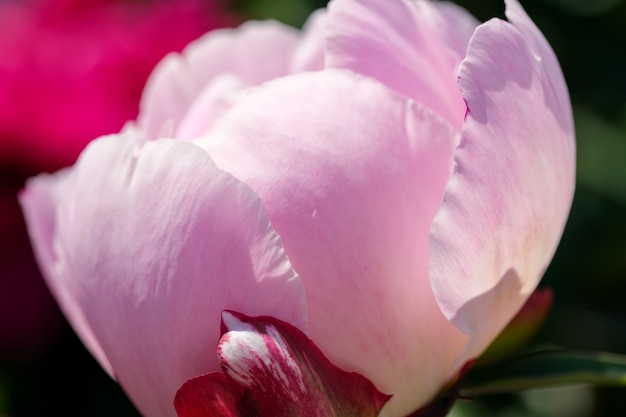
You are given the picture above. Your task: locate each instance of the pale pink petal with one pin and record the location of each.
(254, 53)
(506, 205)
(310, 53)
(153, 243)
(352, 175)
(40, 200)
(453, 24)
(554, 83)
(412, 47)
(216, 99)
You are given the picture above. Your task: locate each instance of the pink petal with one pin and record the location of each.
(310, 53)
(554, 83)
(215, 99)
(254, 53)
(284, 374)
(152, 243)
(454, 26)
(351, 175)
(224, 91)
(521, 329)
(412, 47)
(447, 397)
(39, 201)
(507, 202)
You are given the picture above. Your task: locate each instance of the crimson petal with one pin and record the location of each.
(212, 394)
(272, 369)
(285, 374)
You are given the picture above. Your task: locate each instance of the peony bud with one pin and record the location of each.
(393, 181)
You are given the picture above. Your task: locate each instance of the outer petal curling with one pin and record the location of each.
(399, 43)
(507, 202)
(40, 201)
(143, 240)
(352, 190)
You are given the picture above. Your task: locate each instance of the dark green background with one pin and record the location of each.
(588, 273)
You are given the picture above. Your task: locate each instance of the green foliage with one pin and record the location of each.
(4, 394)
(587, 6)
(601, 152)
(548, 369)
(291, 12)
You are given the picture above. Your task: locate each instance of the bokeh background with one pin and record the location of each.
(71, 70)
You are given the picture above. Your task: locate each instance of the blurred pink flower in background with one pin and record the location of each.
(70, 71)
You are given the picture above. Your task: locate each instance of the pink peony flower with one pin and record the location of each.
(393, 180)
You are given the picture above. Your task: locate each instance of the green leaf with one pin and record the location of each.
(548, 369)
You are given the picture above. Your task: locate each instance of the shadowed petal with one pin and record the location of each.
(507, 202)
(557, 96)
